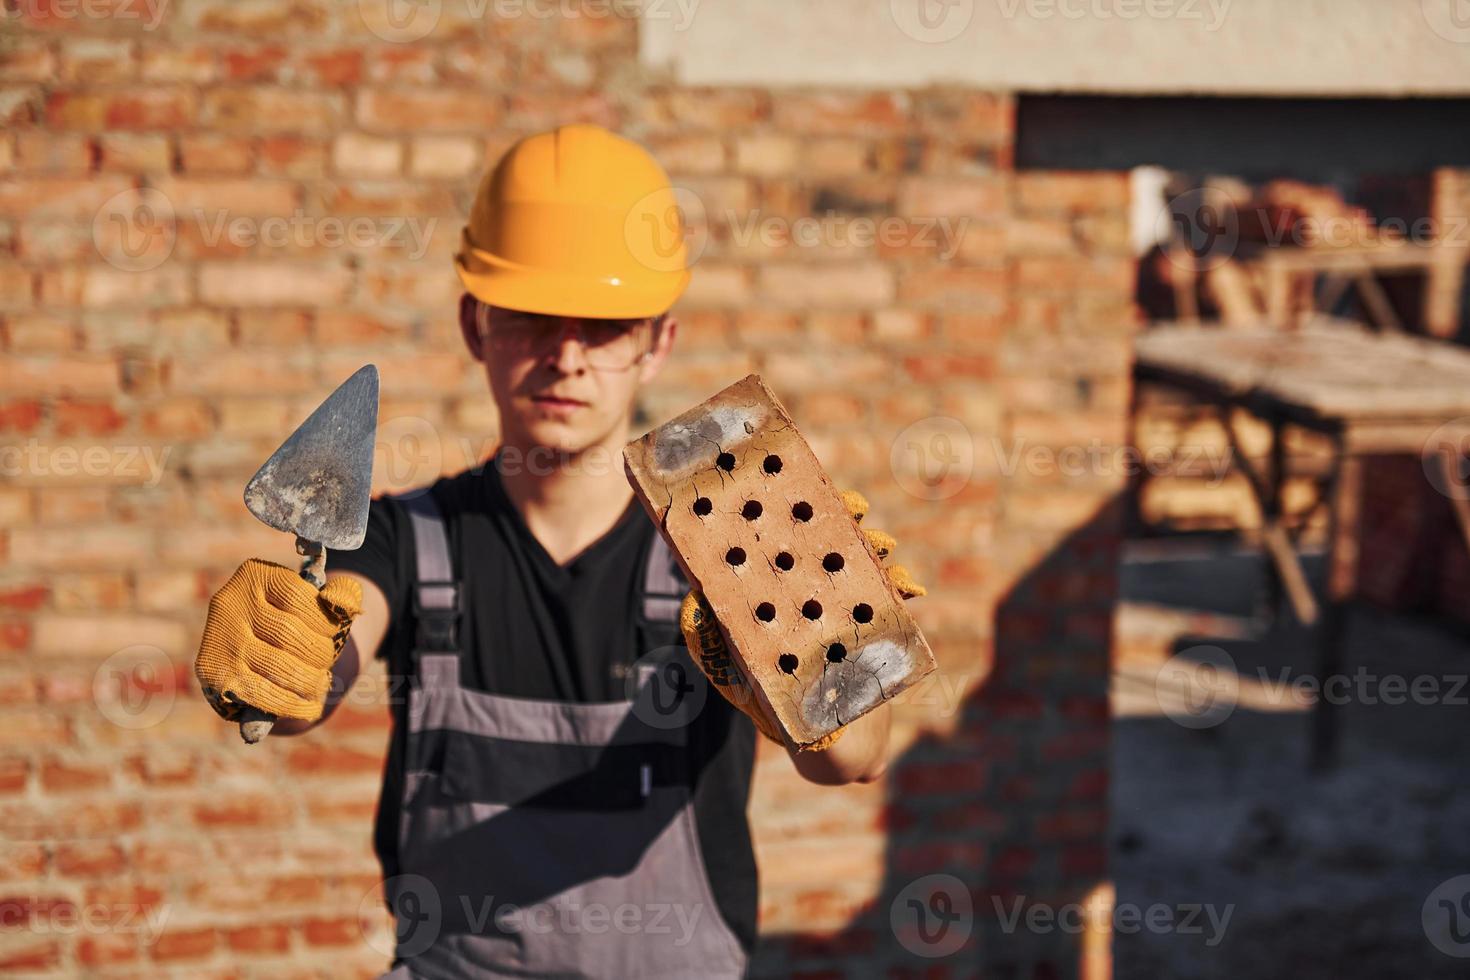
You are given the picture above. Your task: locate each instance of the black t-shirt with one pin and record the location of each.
(534, 629)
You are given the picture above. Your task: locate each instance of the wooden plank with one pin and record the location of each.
(1333, 369)
(808, 612)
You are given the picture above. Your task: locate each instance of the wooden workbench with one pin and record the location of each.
(1369, 393)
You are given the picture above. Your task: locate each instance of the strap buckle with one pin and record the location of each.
(436, 609)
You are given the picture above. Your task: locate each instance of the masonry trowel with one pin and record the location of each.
(317, 486)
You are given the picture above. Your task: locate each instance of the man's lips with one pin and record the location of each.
(555, 400)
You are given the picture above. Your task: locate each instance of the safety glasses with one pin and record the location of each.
(607, 344)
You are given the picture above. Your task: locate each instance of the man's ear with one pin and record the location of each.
(470, 327)
(662, 346)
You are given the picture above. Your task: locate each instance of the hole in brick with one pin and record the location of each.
(765, 612)
(833, 562)
(785, 562)
(735, 556)
(802, 511)
(836, 653)
(725, 461)
(811, 609)
(862, 612)
(771, 464)
(751, 510)
(702, 506)
(787, 662)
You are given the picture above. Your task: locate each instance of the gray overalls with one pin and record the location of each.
(543, 838)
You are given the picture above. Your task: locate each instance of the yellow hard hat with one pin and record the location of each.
(577, 221)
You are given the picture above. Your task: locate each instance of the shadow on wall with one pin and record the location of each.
(997, 832)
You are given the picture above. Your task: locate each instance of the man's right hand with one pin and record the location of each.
(271, 638)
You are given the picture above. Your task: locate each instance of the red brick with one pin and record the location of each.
(15, 771)
(427, 110)
(36, 954)
(75, 415)
(20, 416)
(184, 944)
(1053, 191)
(326, 761)
(272, 937)
(1089, 861)
(91, 859)
(136, 108)
(242, 810)
(331, 932)
(261, 109)
(105, 948)
(61, 777)
(948, 778)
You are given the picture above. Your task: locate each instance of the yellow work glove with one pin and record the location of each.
(706, 642)
(271, 638)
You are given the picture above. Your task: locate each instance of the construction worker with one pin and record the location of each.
(548, 809)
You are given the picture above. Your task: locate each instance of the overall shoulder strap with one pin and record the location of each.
(437, 598)
(663, 583)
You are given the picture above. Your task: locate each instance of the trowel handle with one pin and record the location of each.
(254, 723)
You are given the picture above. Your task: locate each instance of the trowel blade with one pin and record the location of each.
(319, 483)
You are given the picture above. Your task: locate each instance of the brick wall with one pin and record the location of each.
(166, 317)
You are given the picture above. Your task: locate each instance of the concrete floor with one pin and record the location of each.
(1216, 811)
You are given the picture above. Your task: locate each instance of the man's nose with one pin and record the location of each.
(568, 329)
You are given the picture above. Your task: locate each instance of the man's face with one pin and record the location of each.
(565, 383)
